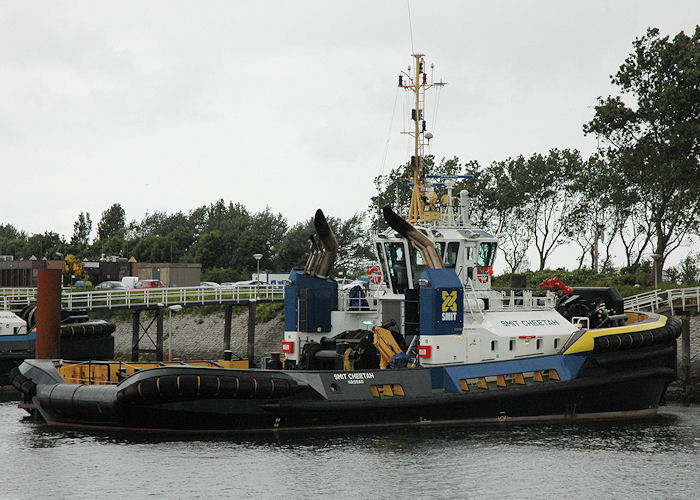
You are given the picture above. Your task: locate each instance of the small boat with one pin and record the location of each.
(81, 338)
(430, 342)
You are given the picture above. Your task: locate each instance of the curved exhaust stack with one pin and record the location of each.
(420, 241)
(329, 244)
(313, 256)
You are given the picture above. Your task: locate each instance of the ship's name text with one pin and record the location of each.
(531, 322)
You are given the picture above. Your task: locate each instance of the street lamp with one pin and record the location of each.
(175, 308)
(257, 257)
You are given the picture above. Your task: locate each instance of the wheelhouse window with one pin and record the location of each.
(448, 251)
(417, 265)
(487, 252)
(469, 250)
(440, 245)
(398, 272)
(450, 256)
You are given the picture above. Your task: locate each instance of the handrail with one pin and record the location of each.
(665, 299)
(149, 297)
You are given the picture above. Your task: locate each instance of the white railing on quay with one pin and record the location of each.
(149, 297)
(671, 299)
(12, 298)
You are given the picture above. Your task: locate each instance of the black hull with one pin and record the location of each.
(637, 396)
(607, 385)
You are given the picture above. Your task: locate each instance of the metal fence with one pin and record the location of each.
(683, 298)
(14, 298)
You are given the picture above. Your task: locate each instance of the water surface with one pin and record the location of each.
(656, 458)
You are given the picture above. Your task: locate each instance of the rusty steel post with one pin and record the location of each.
(48, 321)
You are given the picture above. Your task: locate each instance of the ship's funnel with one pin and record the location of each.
(420, 241)
(329, 243)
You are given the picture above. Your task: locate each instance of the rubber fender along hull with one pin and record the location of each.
(636, 395)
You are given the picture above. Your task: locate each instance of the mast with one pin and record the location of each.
(418, 84)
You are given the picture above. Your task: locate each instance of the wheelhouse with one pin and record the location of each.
(470, 252)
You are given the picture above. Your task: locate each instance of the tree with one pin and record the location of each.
(500, 206)
(112, 223)
(81, 230)
(294, 248)
(50, 245)
(73, 270)
(652, 136)
(12, 241)
(600, 212)
(354, 245)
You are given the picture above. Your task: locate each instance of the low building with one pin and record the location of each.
(24, 273)
(173, 274)
(111, 269)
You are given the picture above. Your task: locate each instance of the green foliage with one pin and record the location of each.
(221, 275)
(652, 135)
(268, 312)
(687, 273)
(112, 223)
(81, 230)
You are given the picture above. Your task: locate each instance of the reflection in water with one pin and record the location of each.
(651, 458)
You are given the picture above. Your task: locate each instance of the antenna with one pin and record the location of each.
(417, 83)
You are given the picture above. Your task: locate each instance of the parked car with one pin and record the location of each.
(111, 285)
(249, 283)
(149, 284)
(237, 284)
(130, 281)
(209, 284)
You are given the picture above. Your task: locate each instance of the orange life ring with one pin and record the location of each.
(483, 273)
(375, 276)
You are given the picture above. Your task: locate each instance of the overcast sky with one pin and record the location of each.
(166, 106)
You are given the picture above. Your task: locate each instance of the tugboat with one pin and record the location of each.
(432, 344)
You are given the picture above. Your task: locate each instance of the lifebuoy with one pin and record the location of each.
(483, 273)
(375, 276)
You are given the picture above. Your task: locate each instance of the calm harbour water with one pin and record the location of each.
(657, 458)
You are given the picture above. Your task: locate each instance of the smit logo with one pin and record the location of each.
(449, 305)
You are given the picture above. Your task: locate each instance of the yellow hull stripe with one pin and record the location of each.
(586, 342)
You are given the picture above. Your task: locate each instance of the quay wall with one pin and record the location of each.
(200, 336)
